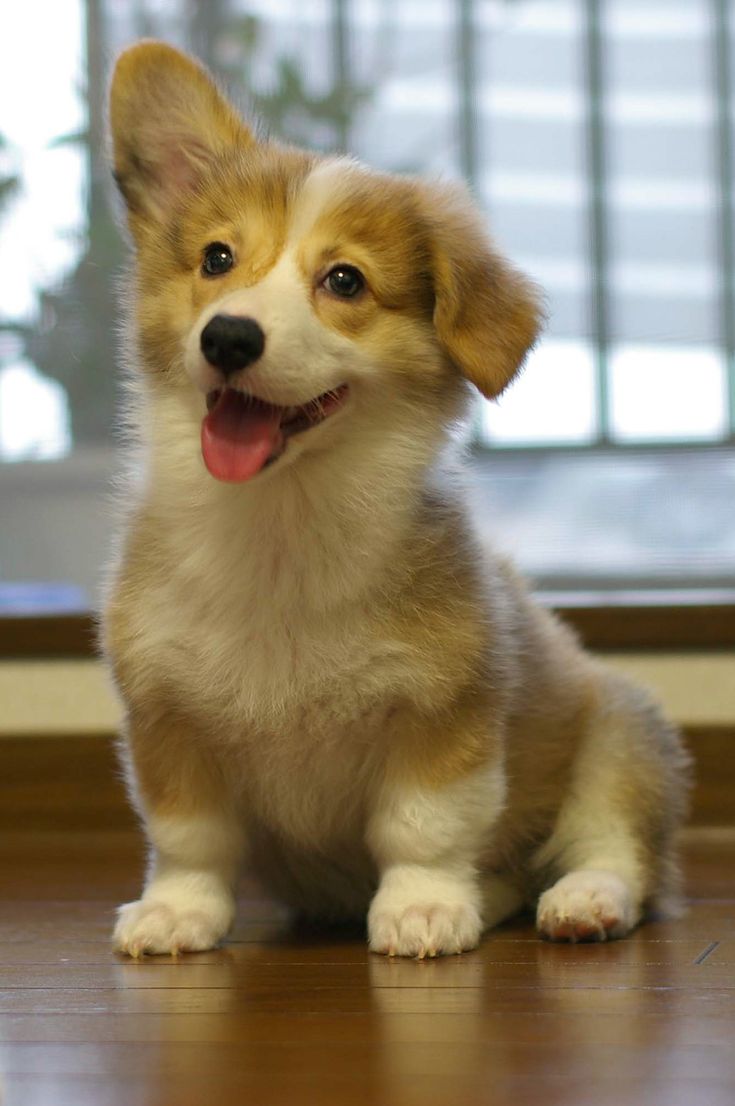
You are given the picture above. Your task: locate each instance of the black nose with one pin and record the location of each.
(230, 343)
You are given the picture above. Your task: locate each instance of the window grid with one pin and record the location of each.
(598, 192)
(596, 290)
(721, 23)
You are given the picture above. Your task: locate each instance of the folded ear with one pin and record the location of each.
(168, 121)
(487, 315)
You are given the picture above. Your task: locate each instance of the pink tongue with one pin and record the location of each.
(239, 435)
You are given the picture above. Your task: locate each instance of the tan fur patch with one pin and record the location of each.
(168, 123)
(487, 314)
(251, 215)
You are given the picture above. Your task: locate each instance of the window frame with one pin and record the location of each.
(613, 619)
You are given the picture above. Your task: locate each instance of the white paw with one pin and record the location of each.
(587, 906)
(427, 929)
(419, 912)
(148, 926)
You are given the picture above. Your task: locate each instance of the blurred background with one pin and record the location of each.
(598, 138)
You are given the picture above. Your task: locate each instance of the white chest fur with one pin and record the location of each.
(264, 610)
(263, 625)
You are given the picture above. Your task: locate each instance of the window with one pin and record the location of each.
(597, 134)
(619, 200)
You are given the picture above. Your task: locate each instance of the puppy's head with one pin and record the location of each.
(298, 296)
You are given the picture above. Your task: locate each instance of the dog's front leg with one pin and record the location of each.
(426, 841)
(195, 837)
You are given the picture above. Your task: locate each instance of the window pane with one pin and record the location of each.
(532, 165)
(668, 378)
(652, 389)
(41, 218)
(552, 402)
(396, 97)
(34, 414)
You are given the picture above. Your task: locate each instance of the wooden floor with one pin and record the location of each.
(284, 1017)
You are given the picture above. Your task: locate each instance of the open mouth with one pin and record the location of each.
(241, 434)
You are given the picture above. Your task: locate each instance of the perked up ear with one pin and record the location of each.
(168, 121)
(486, 314)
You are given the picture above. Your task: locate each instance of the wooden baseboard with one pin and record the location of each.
(713, 753)
(652, 620)
(65, 783)
(75, 783)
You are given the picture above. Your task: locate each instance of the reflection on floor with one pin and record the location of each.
(283, 1017)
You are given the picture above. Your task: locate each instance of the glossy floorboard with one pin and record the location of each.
(282, 1017)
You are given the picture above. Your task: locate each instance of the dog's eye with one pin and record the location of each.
(345, 281)
(218, 259)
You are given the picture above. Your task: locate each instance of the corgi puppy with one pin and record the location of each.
(324, 670)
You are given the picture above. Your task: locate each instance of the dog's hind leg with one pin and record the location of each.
(611, 849)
